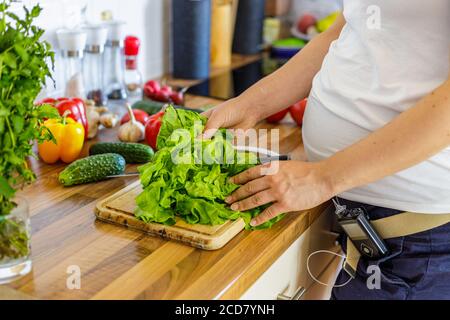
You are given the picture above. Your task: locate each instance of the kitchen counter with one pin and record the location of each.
(119, 263)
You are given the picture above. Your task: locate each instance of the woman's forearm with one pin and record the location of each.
(414, 136)
(293, 81)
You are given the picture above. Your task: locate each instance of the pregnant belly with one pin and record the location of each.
(325, 132)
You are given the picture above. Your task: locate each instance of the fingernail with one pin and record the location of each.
(229, 200)
(231, 180)
(234, 207)
(253, 223)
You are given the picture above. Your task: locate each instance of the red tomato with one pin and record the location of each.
(154, 85)
(161, 96)
(151, 88)
(152, 129)
(298, 110)
(177, 98)
(277, 117)
(167, 89)
(140, 115)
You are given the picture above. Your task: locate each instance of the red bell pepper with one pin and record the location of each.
(152, 129)
(76, 107)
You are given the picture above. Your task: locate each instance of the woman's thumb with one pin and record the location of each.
(211, 128)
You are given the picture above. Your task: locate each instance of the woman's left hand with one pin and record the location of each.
(294, 186)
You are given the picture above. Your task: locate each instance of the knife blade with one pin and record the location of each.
(263, 160)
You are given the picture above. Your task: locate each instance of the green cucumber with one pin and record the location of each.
(149, 106)
(92, 169)
(132, 152)
(152, 107)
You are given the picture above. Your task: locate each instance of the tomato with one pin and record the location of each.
(277, 117)
(152, 128)
(298, 110)
(140, 115)
(153, 84)
(151, 88)
(177, 98)
(167, 89)
(161, 96)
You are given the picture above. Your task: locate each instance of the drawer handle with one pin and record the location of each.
(296, 296)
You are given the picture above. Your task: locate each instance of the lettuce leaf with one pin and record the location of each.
(194, 186)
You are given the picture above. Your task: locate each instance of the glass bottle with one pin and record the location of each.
(71, 44)
(15, 242)
(93, 63)
(133, 78)
(115, 62)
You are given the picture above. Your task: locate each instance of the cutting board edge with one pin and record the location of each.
(205, 242)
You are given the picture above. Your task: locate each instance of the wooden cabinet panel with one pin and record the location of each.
(289, 272)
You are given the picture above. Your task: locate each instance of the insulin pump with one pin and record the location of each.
(356, 224)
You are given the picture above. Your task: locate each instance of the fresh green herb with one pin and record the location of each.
(24, 66)
(195, 185)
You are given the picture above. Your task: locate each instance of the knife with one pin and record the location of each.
(265, 159)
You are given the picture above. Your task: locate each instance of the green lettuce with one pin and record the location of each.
(195, 185)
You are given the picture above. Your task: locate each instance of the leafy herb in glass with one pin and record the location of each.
(24, 66)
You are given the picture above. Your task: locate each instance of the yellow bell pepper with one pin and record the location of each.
(69, 136)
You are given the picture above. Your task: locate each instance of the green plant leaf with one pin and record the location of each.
(10, 60)
(5, 189)
(47, 111)
(195, 190)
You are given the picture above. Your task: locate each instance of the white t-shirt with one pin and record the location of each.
(389, 55)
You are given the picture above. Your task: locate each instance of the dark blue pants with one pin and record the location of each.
(418, 266)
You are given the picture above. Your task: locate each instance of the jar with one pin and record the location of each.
(15, 258)
(72, 44)
(115, 61)
(93, 64)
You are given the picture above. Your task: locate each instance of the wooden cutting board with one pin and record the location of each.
(118, 209)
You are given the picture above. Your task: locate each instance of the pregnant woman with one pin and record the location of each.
(377, 135)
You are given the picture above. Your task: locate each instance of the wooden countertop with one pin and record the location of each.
(118, 263)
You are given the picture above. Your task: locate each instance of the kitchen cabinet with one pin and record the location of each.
(289, 275)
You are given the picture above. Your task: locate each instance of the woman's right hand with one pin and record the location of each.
(229, 115)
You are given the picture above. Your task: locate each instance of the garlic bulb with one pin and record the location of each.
(109, 120)
(132, 131)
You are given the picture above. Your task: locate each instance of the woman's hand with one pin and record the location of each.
(229, 115)
(295, 186)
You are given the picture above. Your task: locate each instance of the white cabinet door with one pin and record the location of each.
(289, 272)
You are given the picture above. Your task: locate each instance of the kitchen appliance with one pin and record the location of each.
(93, 63)
(72, 44)
(115, 61)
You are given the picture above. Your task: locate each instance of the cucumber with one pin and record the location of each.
(132, 152)
(152, 107)
(92, 169)
(149, 106)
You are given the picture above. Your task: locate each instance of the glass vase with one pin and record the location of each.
(15, 242)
